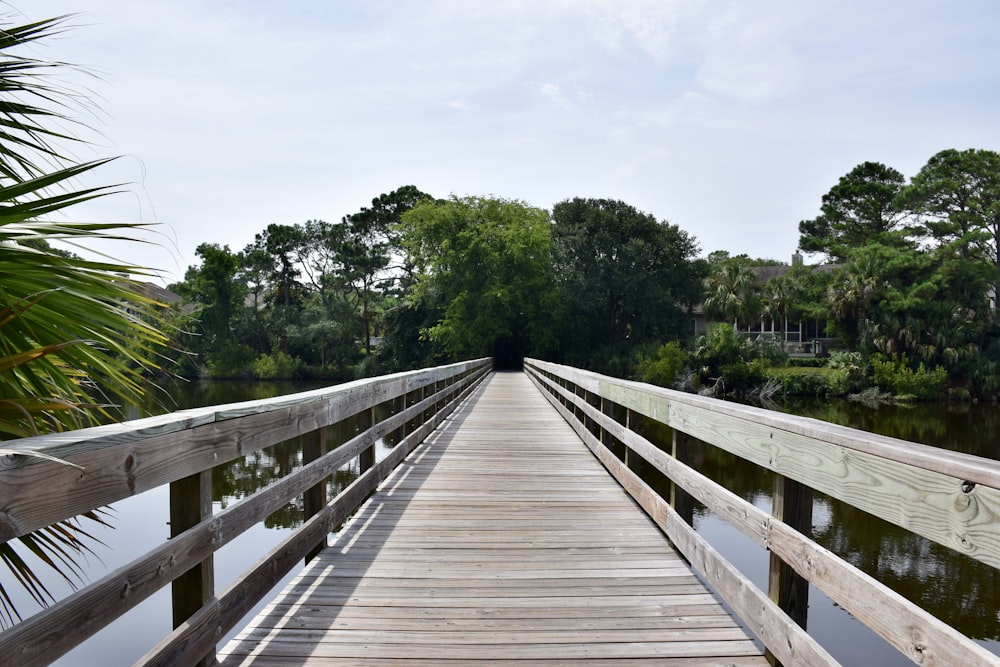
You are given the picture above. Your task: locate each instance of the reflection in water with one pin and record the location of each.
(141, 521)
(959, 590)
(959, 427)
(243, 477)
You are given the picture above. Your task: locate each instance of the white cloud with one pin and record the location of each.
(728, 118)
(654, 26)
(751, 55)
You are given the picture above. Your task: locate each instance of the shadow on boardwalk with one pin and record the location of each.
(500, 539)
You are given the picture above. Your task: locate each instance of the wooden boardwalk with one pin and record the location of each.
(500, 540)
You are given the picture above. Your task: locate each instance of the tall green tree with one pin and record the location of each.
(484, 266)
(862, 207)
(957, 195)
(929, 305)
(216, 298)
(625, 278)
(319, 253)
(282, 244)
(732, 292)
(370, 244)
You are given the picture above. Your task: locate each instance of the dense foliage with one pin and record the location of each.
(302, 300)
(910, 279)
(484, 266)
(76, 334)
(438, 280)
(625, 279)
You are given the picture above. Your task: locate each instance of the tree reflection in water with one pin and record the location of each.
(959, 590)
(241, 478)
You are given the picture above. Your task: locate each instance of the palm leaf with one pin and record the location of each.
(68, 325)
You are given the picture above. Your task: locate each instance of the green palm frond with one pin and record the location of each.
(76, 334)
(31, 108)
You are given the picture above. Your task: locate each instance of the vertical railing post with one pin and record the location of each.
(425, 415)
(603, 433)
(792, 504)
(628, 427)
(679, 498)
(399, 405)
(314, 499)
(191, 503)
(366, 459)
(408, 402)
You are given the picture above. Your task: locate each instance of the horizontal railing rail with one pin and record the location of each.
(948, 497)
(181, 449)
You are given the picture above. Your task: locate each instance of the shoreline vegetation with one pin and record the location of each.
(906, 284)
(729, 364)
(905, 287)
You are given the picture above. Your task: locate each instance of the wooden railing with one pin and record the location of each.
(180, 449)
(947, 497)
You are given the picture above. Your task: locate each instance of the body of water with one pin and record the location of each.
(959, 590)
(139, 523)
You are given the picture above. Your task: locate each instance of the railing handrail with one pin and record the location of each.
(52, 632)
(781, 443)
(939, 494)
(966, 467)
(121, 460)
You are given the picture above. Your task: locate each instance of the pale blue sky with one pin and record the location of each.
(729, 118)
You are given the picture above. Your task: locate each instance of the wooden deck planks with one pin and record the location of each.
(501, 539)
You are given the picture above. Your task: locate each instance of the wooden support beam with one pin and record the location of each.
(191, 503)
(367, 458)
(792, 504)
(314, 499)
(680, 500)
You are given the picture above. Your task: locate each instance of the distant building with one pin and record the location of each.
(805, 338)
(157, 293)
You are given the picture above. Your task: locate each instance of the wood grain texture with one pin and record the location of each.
(948, 497)
(52, 632)
(788, 642)
(500, 538)
(198, 636)
(913, 631)
(121, 460)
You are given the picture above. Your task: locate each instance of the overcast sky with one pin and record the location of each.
(729, 118)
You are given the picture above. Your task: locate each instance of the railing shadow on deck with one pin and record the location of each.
(180, 449)
(364, 521)
(947, 497)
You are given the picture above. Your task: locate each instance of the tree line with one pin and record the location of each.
(909, 273)
(908, 291)
(414, 280)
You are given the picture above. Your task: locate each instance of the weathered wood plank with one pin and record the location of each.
(346, 619)
(790, 643)
(122, 460)
(44, 637)
(292, 652)
(656, 403)
(199, 634)
(481, 546)
(916, 633)
(948, 510)
(948, 497)
(320, 661)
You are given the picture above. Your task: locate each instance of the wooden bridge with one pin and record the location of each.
(502, 539)
(492, 531)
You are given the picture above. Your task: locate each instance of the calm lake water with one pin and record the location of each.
(957, 589)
